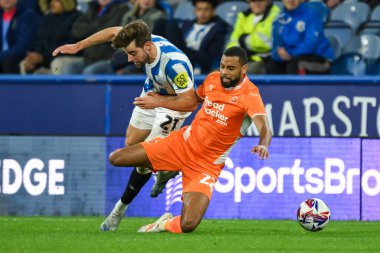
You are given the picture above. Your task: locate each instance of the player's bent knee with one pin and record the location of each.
(188, 226)
(129, 142)
(115, 158)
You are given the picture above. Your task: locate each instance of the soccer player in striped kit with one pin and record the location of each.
(169, 80)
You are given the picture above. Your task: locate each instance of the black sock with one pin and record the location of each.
(135, 183)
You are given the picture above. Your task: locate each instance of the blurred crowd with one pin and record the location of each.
(280, 37)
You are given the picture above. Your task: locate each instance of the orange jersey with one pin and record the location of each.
(223, 119)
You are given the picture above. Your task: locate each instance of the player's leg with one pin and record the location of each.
(194, 207)
(165, 122)
(135, 135)
(140, 175)
(197, 191)
(129, 156)
(134, 155)
(137, 131)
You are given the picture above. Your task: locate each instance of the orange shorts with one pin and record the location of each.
(172, 153)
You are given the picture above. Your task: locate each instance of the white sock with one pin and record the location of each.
(120, 207)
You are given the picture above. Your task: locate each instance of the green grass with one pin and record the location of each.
(80, 234)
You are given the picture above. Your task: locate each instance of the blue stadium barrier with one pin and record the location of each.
(102, 105)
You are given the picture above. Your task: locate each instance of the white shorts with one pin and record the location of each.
(160, 121)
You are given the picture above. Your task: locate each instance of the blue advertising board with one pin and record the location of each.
(52, 175)
(102, 105)
(47, 175)
(249, 188)
(371, 180)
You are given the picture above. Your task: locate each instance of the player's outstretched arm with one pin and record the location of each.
(262, 124)
(100, 37)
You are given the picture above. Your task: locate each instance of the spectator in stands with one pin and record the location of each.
(18, 27)
(299, 43)
(201, 39)
(99, 15)
(62, 14)
(175, 3)
(331, 4)
(148, 11)
(253, 32)
(32, 4)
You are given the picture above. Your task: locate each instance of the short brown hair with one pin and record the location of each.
(136, 30)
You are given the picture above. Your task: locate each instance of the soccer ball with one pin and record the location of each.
(313, 215)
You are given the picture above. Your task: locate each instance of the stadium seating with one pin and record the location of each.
(340, 30)
(184, 10)
(349, 64)
(352, 13)
(370, 28)
(228, 11)
(373, 24)
(167, 8)
(336, 46)
(367, 45)
(375, 15)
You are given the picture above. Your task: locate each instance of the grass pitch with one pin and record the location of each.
(81, 234)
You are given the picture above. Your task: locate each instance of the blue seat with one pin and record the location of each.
(167, 8)
(184, 11)
(228, 11)
(321, 9)
(349, 64)
(375, 15)
(371, 27)
(352, 13)
(279, 4)
(367, 45)
(82, 6)
(336, 46)
(342, 31)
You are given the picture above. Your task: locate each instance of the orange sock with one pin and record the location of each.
(174, 225)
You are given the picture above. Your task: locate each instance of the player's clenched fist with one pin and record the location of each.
(261, 151)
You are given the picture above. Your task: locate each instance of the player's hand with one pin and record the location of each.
(283, 54)
(150, 101)
(67, 49)
(261, 151)
(34, 58)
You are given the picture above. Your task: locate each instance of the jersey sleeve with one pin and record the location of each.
(201, 91)
(254, 104)
(179, 75)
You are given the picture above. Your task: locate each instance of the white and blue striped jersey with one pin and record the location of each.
(171, 72)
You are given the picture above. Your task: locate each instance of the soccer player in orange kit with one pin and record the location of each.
(230, 104)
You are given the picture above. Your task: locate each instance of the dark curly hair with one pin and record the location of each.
(238, 52)
(136, 30)
(214, 3)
